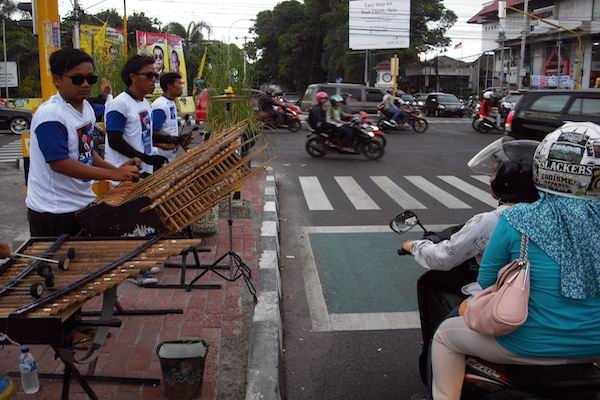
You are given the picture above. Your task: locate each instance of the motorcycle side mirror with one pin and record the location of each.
(404, 222)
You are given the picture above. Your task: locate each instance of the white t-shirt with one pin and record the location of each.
(58, 132)
(133, 118)
(164, 118)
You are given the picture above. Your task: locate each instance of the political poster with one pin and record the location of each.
(379, 24)
(100, 41)
(167, 51)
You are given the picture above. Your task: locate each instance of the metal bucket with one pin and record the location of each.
(182, 365)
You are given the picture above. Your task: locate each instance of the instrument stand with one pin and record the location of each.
(120, 310)
(237, 267)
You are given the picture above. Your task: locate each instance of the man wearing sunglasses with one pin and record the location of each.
(63, 163)
(129, 117)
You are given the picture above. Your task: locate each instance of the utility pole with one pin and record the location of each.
(77, 19)
(437, 72)
(367, 67)
(526, 27)
(48, 29)
(502, 39)
(559, 60)
(478, 74)
(487, 69)
(244, 54)
(5, 63)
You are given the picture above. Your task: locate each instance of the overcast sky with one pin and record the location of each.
(236, 14)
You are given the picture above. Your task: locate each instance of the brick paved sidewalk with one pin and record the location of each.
(221, 317)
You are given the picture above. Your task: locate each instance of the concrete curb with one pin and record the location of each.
(266, 342)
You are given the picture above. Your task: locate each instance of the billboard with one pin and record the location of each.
(8, 74)
(378, 24)
(110, 44)
(167, 51)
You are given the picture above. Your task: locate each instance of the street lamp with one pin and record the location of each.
(229, 44)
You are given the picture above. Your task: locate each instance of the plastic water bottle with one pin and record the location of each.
(29, 374)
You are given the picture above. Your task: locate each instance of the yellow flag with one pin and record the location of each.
(100, 40)
(202, 63)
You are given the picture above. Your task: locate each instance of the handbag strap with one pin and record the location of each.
(524, 256)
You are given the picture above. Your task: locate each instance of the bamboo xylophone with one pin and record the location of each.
(98, 266)
(178, 194)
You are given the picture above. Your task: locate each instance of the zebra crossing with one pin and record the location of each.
(405, 195)
(11, 152)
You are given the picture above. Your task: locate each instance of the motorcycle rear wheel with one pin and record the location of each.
(316, 147)
(294, 125)
(373, 149)
(420, 125)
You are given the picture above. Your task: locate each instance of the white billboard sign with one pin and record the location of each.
(8, 72)
(378, 24)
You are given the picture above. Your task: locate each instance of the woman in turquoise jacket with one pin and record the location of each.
(563, 325)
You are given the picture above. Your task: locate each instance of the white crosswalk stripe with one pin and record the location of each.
(469, 189)
(11, 152)
(359, 198)
(434, 191)
(398, 194)
(315, 196)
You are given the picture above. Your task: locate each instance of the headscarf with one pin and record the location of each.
(568, 230)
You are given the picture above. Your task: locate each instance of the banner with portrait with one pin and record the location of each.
(167, 51)
(100, 40)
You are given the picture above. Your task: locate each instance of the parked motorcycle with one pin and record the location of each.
(440, 292)
(414, 118)
(366, 142)
(291, 117)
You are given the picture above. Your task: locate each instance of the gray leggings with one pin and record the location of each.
(453, 340)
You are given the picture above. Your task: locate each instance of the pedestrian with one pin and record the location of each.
(63, 162)
(164, 116)
(129, 126)
(128, 117)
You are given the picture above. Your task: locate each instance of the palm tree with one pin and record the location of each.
(192, 35)
(7, 8)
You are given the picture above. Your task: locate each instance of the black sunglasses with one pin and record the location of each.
(78, 79)
(149, 75)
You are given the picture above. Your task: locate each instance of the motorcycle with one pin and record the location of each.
(291, 116)
(441, 292)
(414, 118)
(486, 124)
(367, 125)
(366, 142)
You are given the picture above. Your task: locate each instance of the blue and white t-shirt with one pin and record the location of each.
(59, 132)
(133, 118)
(164, 118)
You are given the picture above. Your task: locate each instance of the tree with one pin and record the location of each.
(7, 8)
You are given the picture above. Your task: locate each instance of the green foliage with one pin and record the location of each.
(222, 61)
(302, 43)
(110, 68)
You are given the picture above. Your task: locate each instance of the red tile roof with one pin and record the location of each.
(493, 7)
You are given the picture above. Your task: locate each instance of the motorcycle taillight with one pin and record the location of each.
(509, 120)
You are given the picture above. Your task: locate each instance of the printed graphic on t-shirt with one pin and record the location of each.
(86, 143)
(173, 113)
(146, 132)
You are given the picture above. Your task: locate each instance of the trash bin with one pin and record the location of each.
(182, 365)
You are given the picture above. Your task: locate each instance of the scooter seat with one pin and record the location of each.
(553, 377)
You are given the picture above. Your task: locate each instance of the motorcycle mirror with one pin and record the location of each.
(404, 222)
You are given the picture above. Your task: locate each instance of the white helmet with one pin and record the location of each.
(567, 162)
(488, 95)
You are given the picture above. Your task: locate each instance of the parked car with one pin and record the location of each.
(440, 104)
(408, 99)
(362, 98)
(540, 112)
(17, 121)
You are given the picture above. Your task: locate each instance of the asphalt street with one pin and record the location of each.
(349, 301)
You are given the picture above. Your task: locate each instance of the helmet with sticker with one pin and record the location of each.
(567, 162)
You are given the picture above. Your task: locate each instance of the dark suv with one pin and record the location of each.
(440, 104)
(540, 112)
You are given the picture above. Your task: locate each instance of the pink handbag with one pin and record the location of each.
(502, 308)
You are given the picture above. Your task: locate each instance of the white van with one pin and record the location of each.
(362, 98)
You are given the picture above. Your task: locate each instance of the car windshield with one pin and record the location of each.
(407, 97)
(513, 98)
(422, 97)
(448, 98)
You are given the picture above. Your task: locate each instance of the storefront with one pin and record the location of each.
(595, 68)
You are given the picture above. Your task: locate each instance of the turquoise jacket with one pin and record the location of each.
(557, 327)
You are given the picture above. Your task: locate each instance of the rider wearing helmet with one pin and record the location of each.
(562, 226)
(335, 117)
(508, 162)
(317, 118)
(486, 104)
(389, 105)
(269, 105)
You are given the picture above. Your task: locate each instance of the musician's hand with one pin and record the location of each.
(4, 250)
(408, 245)
(156, 161)
(126, 172)
(166, 146)
(105, 87)
(135, 162)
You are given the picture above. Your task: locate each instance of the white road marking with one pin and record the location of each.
(398, 194)
(315, 196)
(434, 191)
(375, 321)
(359, 198)
(482, 178)
(471, 190)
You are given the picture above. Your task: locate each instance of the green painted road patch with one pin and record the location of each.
(362, 272)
